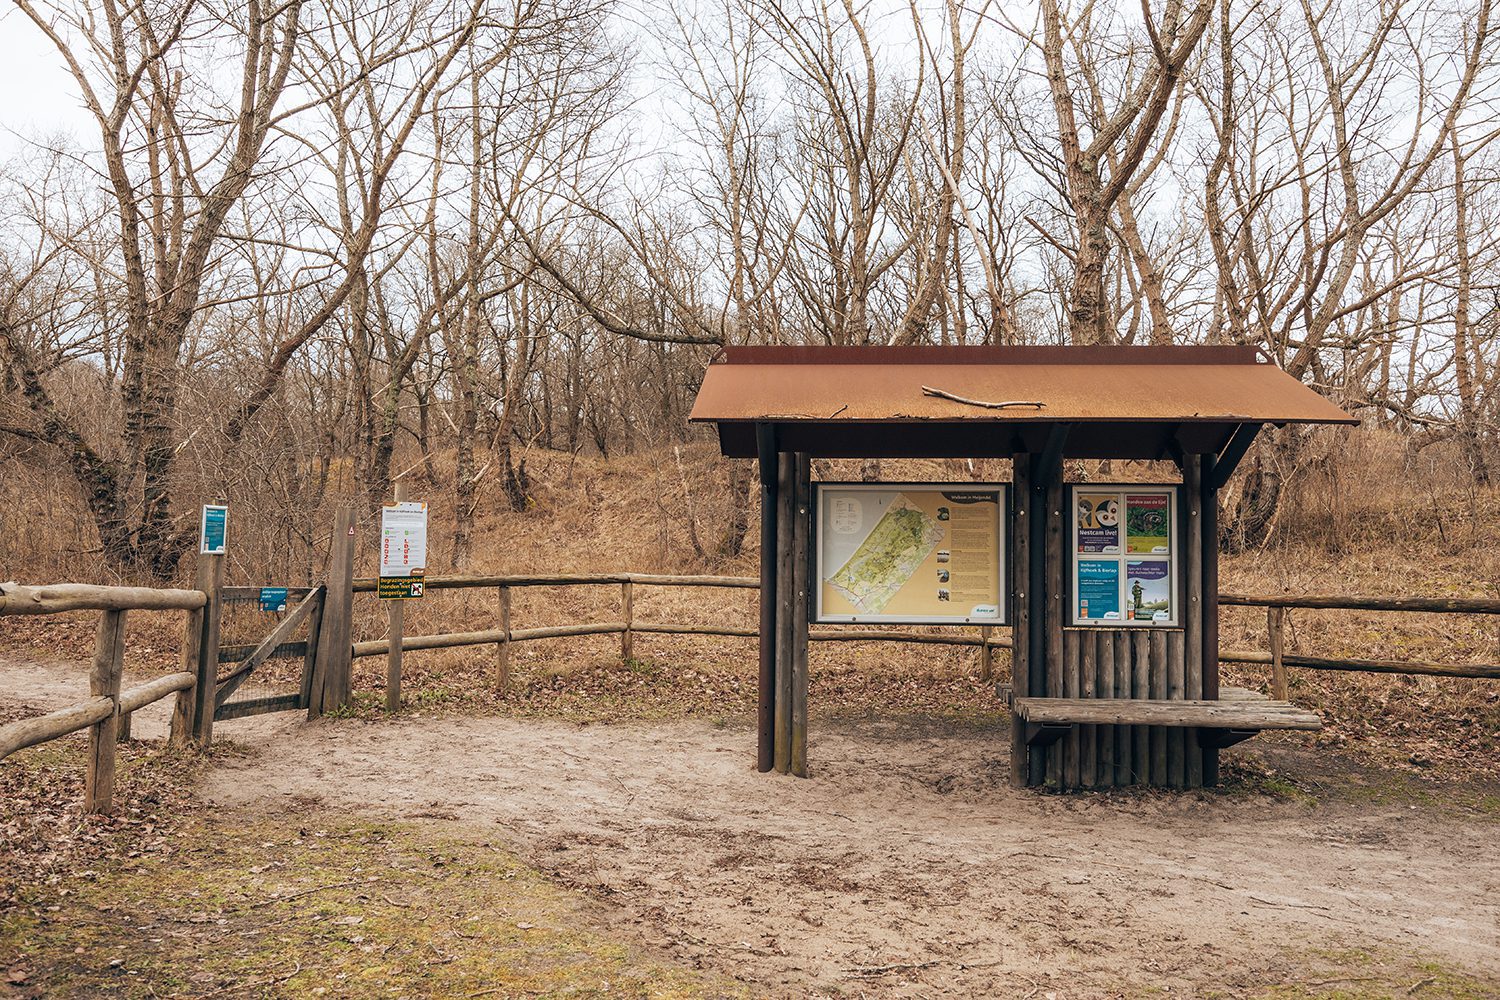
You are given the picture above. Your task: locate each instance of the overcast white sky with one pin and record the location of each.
(39, 97)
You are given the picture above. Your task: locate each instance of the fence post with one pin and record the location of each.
(104, 680)
(183, 722)
(627, 610)
(502, 648)
(1275, 620)
(331, 683)
(211, 573)
(986, 658)
(396, 616)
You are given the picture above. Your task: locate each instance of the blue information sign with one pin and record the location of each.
(273, 598)
(214, 530)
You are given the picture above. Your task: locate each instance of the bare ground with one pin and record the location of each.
(906, 866)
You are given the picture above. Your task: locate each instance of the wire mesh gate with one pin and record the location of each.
(266, 671)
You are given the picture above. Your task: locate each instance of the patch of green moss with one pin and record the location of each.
(337, 910)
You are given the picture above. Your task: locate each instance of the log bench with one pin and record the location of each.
(1221, 723)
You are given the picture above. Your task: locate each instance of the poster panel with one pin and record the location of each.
(1148, 589)
(1098, 590)
(1147, 518)
(1124, 560)
(910, 552)
(1098, 522)
(403, 551)
(213, 530)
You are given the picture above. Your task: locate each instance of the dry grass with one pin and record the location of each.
(1365, 516)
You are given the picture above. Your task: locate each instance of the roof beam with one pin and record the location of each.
(1229, 458)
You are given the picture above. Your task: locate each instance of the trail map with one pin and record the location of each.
(888, 557)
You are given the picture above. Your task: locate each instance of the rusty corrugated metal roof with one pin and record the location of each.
(1220, 385)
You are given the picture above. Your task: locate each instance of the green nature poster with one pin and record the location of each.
(1148, 527)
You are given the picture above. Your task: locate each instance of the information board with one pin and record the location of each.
(914, 553)
(403, 551)
(213, 530)
(1124, 555)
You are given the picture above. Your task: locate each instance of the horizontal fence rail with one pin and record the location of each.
(1276, 606)
(106, 714)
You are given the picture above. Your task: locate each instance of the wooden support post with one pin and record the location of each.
(183, 719)
(502, 648)
(1020, 644)
(310, 657)
(122, 728)
(1210, 544)
(785, 479)
(210, 569)
(396, 629)
(627, 614)
(1275, 620)
(986, 657)
(801, 554)
(1157, 646)
(1125, 764)
(1192, 633)
(1106, 689)
(331, 686)
(104, 681)
(1176, 738)
(1053, 615)
(765, 742)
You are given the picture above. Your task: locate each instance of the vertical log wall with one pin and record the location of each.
(1052, 659)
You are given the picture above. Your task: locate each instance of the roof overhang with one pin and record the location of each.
(1118, 402)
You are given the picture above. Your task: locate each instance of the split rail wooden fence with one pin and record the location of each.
(987, 641)
(106, 713)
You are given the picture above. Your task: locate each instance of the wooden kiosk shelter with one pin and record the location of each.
(1095, 703)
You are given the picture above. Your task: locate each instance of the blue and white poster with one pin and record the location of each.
(1098, 590)
(213, 530)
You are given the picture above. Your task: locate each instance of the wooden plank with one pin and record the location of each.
(785, 477)
(16, 599)
(801, 553)
(183, 725)
(1176, 677)
(1020, 674)
(1071, 748)
(627, 611)
(1157, 651)
(207, 670)
(331, 669)
(1053, 616)
(141, 695)
(310, 652)
(502, 648)
(258, 706)
(25, 733)
(1345, 602)
(411, 643)
(1088, 736)
(1106, 689)
(1487, 671)
(986, 654)
(104, 682)
(1140, 687)
(1191, 539)
(367, 585)
(1151, 712)
(226, 685)
(1275, 618)
(1125, 767)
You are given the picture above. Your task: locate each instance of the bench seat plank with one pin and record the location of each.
(1235, 714)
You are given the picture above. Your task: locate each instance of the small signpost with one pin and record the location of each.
(403, 551)
(213, 530)
(403, 569)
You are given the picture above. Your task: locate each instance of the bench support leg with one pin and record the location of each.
(1218, 739)
(1043, 735)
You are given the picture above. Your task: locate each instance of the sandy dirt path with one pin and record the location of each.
(906, 866)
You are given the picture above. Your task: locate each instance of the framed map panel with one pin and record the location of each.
(910, 553)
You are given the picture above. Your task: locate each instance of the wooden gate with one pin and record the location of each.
(273, 673)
